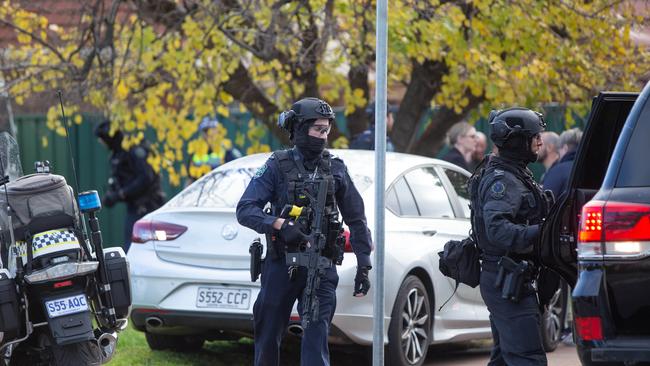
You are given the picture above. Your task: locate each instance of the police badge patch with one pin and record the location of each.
(498, 190)
(260, 171)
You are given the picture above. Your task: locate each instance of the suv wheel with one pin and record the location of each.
(554, 317)
(159, 342)
(410, 324)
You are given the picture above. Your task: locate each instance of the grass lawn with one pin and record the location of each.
(132, 349)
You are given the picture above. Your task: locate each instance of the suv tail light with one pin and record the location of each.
(589, 328)
(146, 230)
(614, 230)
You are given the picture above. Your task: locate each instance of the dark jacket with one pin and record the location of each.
(135, 179)
(557, 177)
(455, 157)
(269, 185)
(510, 208)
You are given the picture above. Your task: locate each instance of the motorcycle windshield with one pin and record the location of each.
(9, 157)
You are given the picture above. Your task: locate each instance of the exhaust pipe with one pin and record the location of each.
(107, 343)
(153, 322)
(295, 329)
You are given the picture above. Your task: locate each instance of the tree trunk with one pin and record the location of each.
(242, 88)
(426, 79)
(443, 118)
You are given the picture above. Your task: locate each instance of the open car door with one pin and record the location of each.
(557, 245)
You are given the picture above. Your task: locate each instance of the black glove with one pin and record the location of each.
(361, 282)
(110, 198)
(293, 233)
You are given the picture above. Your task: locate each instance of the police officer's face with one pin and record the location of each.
(320, 129)
(536, 144)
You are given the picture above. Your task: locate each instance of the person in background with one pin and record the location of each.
(132, 181)
(201, 164)
(462, 139)
(366, 139)
(549, 155)
(557, 177)
(479, 153)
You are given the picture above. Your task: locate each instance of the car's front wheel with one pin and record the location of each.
(410, 325)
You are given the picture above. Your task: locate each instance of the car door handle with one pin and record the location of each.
(429, 232)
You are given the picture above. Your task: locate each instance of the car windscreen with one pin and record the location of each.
(220, 189)
(223, 189)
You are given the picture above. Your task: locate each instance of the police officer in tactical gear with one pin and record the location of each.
(508, 208)
(281, 181)
(132, 179)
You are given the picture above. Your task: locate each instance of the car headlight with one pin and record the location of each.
(61, 272)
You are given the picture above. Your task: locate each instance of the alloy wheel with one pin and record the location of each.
(415, 317)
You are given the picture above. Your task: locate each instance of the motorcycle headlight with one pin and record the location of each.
(61, 272)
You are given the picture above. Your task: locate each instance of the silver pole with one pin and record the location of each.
(380, 180)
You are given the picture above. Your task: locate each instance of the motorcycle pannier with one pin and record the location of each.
(9, 311)
(39, 202)
(117, 267)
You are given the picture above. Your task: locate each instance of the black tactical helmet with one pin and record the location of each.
(510, 122)
(306, 109)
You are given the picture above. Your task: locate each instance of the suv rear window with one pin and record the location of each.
(635, 170)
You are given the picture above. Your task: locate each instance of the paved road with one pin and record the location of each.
(462, 354)
(479, 354)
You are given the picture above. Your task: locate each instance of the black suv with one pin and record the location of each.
(598, 235)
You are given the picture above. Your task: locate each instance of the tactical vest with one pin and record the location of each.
(297, 179)
(478, 224)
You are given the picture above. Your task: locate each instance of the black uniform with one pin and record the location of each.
(508, 209)
(289, 177)
(132, 180)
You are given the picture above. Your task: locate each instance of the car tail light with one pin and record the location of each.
(589, 328)
(146, 230)
(614, 230)
(348, 246)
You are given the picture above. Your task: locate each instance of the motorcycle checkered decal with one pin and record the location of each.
(53, 237)
(49, 242)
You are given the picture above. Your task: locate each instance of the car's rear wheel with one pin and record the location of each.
(159, 342)
(554, 317)
(410, 325)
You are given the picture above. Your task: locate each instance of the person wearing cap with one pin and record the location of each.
(366, 139)
(132, 181)
(508, 208)
(201, 164)
(285, 180)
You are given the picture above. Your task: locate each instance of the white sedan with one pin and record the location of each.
(190, 261)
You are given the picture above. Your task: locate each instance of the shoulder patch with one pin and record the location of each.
(498, 190)
(261, 171)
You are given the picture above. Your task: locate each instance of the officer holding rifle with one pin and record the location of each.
(307, 188)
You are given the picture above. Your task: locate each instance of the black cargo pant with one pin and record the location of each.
(516, 329)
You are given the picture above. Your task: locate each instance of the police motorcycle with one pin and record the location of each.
(63, 297)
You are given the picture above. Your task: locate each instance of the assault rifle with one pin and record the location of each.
(310, 255)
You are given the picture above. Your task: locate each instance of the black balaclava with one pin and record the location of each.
(518, 147)
(310, 147)
(113, 142)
